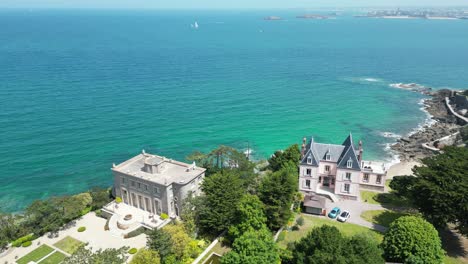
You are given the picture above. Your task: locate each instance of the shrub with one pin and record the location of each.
(18, 242)
(412, 239)
(98, 212)
(300, 221)
(295, 228)
(132, 251)
(81, 229)
(86, 210)
(26, 244)
(118, 199)
(164, 216)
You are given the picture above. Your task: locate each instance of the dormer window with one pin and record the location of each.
(309, 160)
(349, 164)
(328, 156)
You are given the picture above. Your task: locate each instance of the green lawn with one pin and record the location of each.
(69, 244)
(35, 255)
(311, 222)
(388, 199)
(451, 260)
(55, 258)
(381, 217)
(218, 249)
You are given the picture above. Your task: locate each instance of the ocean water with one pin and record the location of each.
(80, 90)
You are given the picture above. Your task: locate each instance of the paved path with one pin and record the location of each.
(95, 235)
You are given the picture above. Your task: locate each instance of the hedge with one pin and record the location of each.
(81, 229)
(26, 244)
(18, 242)
(132, 251)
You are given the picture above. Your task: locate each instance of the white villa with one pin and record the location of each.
(149, 186)
(338, 169)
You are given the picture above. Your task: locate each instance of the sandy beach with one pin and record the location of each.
(401, 168)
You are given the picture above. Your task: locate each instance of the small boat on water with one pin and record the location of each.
(195, 25)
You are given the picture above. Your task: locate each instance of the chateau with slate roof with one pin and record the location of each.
(338, 169)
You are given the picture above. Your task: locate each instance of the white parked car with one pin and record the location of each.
(343, 216)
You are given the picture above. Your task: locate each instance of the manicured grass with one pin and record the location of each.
(387, 184)
(55, 258)
(451, 260)
(387, 199)
(69, 244)
(381, 217)
(218, 249)
(311, 222)
(35, 255)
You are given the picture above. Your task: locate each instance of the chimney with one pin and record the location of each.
(303, 147)
(360, 151)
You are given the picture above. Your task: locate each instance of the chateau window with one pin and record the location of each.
(327, 168)
(333, 181)
(366, 177)
(346, 187)
(379, 179)
(348, 176)
(146, 187)
(308, 183)
(156, 190)
(327, 157)
(308, 172)
(309, 160)
(132, 183)
(139, 185)
(349, 164)
(123, 180)
(320, 179)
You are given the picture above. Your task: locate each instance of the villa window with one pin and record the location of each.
(123, 180)
(139, 185)
(309, 160)
(348, 176)
(327, 157)
(320, 179)
(349, 164)
(156, 190)
(146, 187)
(327, 168)
(346, 187)
(308, 183)
(308, 172)
(379, 179)
(366, 177)
(132, 183)
(333, 181)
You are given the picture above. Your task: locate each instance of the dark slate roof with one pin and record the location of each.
(338, 153)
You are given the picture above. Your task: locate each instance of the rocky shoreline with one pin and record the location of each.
(411, 148)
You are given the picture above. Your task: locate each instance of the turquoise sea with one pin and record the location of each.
(80, 90)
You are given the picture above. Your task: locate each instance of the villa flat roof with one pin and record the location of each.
(374, 166)
(173, 171)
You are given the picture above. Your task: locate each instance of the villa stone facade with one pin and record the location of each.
(338, 169)
(156, 184)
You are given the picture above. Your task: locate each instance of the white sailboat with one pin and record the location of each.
(195, 25)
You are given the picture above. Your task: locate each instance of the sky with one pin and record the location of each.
(222, 4)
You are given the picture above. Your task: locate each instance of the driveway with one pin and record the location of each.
(355, 209)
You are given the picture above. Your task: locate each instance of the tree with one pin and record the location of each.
(412, 238)
(443, 182)
(108, 256)
(146, 256)
(74, 205)
(326, 244)
(188, 213)
(277, 192)
(253, 247)
(9, 229)
(249, 216)
(222, 192)
(179, 239)
(100, 197)
(45, 216)
(280, 158)
(160, 241)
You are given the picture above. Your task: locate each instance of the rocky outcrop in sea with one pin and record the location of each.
(411, 148)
